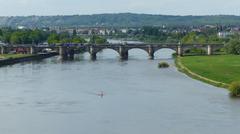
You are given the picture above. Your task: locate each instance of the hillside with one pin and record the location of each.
(123, 19)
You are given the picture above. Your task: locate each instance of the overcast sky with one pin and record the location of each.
(70, 7)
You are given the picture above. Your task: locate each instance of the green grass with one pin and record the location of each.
(222, 68)
(7, 56)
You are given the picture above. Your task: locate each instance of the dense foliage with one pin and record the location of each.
(157, 34)
(233, 46)
(36, 36)
(64, 37)
(11, 36)
(202, 38)
(153, 34)
(97, 40)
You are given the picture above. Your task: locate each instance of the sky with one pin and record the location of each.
(83, 7)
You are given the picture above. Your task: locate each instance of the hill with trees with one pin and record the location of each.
(117, 20)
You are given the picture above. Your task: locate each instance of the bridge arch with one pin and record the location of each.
(102, 49)
(138, 53)
(107, 53)
(139, 48)
(84, 55)
(164, 53)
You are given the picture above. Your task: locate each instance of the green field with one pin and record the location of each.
(7, 56)
(222, 68)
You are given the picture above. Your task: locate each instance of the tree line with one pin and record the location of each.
(203, 36)
(146, 34)
(37, 36)
(12, 36)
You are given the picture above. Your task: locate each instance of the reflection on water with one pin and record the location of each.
(55, 97)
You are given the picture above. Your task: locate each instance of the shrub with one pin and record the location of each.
(163, 65)
(234, 89)
(196, 51)
(174, 55)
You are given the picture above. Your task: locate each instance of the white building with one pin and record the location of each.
(224, 34)
(124, 30)
(102, 32)
(21, 27)
(2, 44)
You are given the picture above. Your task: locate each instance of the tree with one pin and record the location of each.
(78, 40)
(35, 36)
(53, 38)
(65, 40)
(98, 40)
(64, 35)
(101, 40)
(1, 32)
(151, 31)
(193, 37)
(6, 37)
(74, 33)
(233, 47)
(20, 37)
(15, 39)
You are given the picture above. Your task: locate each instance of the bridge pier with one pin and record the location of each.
(63, 52)
(123, 53)
(179, 50)
(3, 50)
(151, 55)
(32, 50)
(70, 53)
(66, 53)
(93, 56)
(93, 53)
(0, 50)
(151, 52)
(209, 50)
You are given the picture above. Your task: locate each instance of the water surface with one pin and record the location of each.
(55, 97)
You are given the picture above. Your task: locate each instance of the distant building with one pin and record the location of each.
(124, 30)
(2, 44)
(235, 30)
(70, 31)
(21, 27)
(196, 30)
(102, 32)
(210, 26)
(224, 34)
(82, 31)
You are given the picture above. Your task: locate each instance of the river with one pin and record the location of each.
(109, 96)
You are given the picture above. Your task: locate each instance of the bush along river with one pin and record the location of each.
(107, 96)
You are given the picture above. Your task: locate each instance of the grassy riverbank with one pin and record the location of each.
(218, 70)
(10, 59)
(7, 56)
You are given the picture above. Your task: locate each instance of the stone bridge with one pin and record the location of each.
(122, 50)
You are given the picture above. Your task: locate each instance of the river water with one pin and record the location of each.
(109, 96)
